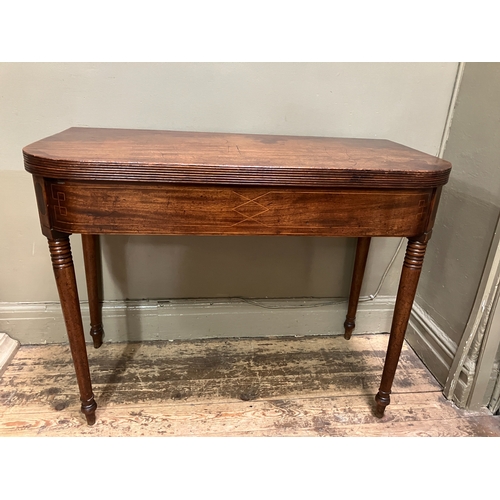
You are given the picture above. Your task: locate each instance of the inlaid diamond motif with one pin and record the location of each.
(250, 209)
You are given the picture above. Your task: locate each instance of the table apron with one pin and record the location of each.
(161, 208)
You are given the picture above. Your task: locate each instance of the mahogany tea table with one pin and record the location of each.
(96, 181)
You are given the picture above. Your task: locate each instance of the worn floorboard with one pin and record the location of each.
(309, 386)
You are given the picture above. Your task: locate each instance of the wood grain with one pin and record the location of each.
(217, 158)
(134, 208)
(314, 386)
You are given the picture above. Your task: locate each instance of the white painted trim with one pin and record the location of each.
(451, 108)
(39, 323)
(494, 404)
(8, 349)
(485, 365)
(477, 323)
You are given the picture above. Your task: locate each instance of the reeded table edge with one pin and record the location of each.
(434, 171)
(235, 175)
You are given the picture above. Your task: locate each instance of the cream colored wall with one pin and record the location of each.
(470, 204)
(406, 103)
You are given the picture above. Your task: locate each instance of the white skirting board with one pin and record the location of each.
(8, 349)
(143, 320)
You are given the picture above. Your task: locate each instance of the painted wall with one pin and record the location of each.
(406, 103)
(470, 204)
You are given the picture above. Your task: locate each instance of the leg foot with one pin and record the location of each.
(382, 400)
(88, 409)
(97, 332)
(348, 328)
(90, 418)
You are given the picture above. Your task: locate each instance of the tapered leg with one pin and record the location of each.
(64, 272)
(90, 244)
(410, 274)
(357, 279)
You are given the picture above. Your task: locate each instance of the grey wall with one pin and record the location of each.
(470, 204)
(406, 103)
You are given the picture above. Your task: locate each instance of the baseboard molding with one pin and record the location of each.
(8, 349)
(39, 323)
(437, 351)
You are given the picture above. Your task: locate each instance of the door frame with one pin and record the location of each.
(481, 338)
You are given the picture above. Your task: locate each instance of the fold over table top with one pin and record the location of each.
(99, 154)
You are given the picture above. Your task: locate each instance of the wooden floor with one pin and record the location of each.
(309, 386)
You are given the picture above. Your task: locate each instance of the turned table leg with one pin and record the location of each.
(410, 274)
(90, 243)
(64, 272)
(357, 279)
